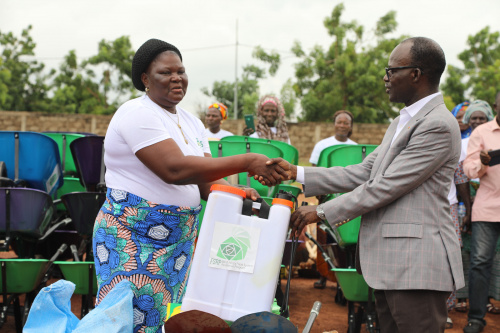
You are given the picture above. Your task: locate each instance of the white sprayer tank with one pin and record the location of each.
(237, 260)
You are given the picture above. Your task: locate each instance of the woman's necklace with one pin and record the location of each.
(178, 123)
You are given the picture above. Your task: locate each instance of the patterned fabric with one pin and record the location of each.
(456, 221)
(222, 109)
(460, 176)
(150, 245)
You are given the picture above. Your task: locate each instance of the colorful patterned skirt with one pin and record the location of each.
(150, 245)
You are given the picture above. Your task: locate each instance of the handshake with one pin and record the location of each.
(271, 172)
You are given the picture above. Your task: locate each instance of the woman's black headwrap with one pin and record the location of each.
(145, 55)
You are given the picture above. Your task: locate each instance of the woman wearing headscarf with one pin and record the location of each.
(459, 112)
(216, 114)
(478, 112)
(270, 120)
(158, 166)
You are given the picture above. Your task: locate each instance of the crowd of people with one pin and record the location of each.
(407, 191)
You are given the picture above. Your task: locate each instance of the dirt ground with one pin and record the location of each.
(334, 317)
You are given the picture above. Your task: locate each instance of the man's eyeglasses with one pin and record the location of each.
(388, 70)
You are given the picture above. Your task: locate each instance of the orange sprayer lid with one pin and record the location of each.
(228, 189)
(283, 202)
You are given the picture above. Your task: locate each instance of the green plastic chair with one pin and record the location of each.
(323, 156)
(344, 155)
(63, 141)
(349, 155)
(290, 153)
(224, 149)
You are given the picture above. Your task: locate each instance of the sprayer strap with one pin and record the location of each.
(247, 207)
(264, 209)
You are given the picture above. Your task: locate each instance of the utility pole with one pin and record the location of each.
(236, 76)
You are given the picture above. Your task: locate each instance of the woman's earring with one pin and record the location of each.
(147, 89)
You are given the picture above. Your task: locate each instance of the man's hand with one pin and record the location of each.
(303, 216)
(485, 157)
(266, 173)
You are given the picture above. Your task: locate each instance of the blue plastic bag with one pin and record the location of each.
(113, 314)
(51, 311)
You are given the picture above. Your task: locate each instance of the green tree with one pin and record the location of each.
(348, 75)
(75, 91)
(114, 60)
(98, 84)
(248, 91)
(480, 76)
(22, 80)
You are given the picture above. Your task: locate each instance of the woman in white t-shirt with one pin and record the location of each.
(343, 122)
(158, 166)
(271, 122)
(216, 114)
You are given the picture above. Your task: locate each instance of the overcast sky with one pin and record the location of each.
(205, 30)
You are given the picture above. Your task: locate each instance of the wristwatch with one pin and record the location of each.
(320, 212)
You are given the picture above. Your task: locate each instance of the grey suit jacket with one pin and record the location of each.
(407, 238)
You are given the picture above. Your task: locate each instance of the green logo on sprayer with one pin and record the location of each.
(236, 246)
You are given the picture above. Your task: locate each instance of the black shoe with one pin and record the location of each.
(321, 283)
(474, 326)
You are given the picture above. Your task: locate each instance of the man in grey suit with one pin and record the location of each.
(408, 250)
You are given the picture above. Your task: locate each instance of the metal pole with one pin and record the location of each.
(236, 75)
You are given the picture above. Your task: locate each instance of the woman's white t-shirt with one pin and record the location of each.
(325, 143)
(140, 123)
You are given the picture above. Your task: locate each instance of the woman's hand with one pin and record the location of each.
(247, 131)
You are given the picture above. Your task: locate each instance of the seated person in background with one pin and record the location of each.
(216, 114)
(270, 121)
(344, 121)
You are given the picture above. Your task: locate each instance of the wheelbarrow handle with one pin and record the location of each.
(323, 252)
(312, 317)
